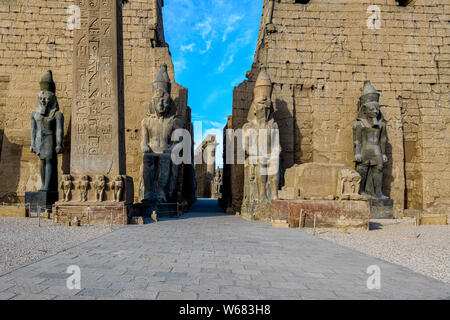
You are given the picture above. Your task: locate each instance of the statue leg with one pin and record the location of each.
(363, 171)
(42, 174)
(378, 182)
(148, 175)
(47, 168)
(262, 179)
(164, 175)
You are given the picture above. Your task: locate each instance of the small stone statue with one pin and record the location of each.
(66, 186)
(117, 187)
(47, 131)
(83, 186)
(99, 187)
(348, 185)
(261, 167)
(369, 137)
(217, 181)
(158, 173)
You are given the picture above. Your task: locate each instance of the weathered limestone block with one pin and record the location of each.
(95, 214)
(320, 181)
(328, 213)
(14, 211)
(433, 219)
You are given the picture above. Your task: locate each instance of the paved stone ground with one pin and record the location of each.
(209, 255)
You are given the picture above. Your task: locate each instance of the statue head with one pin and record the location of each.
(84, 178)
(47, 83)
(162, 80)
(118, 178)
(262, 103)
(101, 178)
(369, 102)
(66, 177)
(46, 99)
(161, 101)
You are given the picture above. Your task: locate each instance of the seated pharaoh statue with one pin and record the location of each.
(158, 180)
(369, 138)
(262, 149)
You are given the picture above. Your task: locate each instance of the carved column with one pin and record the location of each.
(97, 129)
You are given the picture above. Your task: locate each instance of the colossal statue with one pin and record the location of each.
(369, 137)
(262, 149)
(158, 173)
(47, 131)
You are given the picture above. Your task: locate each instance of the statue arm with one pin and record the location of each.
(357, 137)
(383, 140)
(33, 133)
(145, 138)
(175, 125)
(59, 132)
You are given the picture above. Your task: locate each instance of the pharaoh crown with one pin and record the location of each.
(162, 80)
(47, 83)
(263, 85)
(370, 94)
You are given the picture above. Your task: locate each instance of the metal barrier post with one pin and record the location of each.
(314, 228)
(300, 219)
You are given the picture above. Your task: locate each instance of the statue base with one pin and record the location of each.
(146, 208)
(42, 199)
(381, 208)
(321, 213)
(93, 213)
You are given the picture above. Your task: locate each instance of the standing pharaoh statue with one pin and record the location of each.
(369, 137)
(217, 181)
(47, 130)
(158, 173)
(262, 148)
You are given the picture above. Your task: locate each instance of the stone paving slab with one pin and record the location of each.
(210, 255)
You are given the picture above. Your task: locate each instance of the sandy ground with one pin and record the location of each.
(424, 249)
(22, 241)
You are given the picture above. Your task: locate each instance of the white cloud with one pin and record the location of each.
(204, 27)
(188, 47)
(231, 25)
(233, 48)
(208, 46)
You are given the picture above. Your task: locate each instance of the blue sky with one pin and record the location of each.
(212, 44)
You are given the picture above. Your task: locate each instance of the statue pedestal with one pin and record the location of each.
(145, 209)
(326, 213)
(43, 199)
(90, 213)
(381, 208)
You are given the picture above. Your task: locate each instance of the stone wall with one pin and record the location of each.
(34, 38)
(319, 54)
